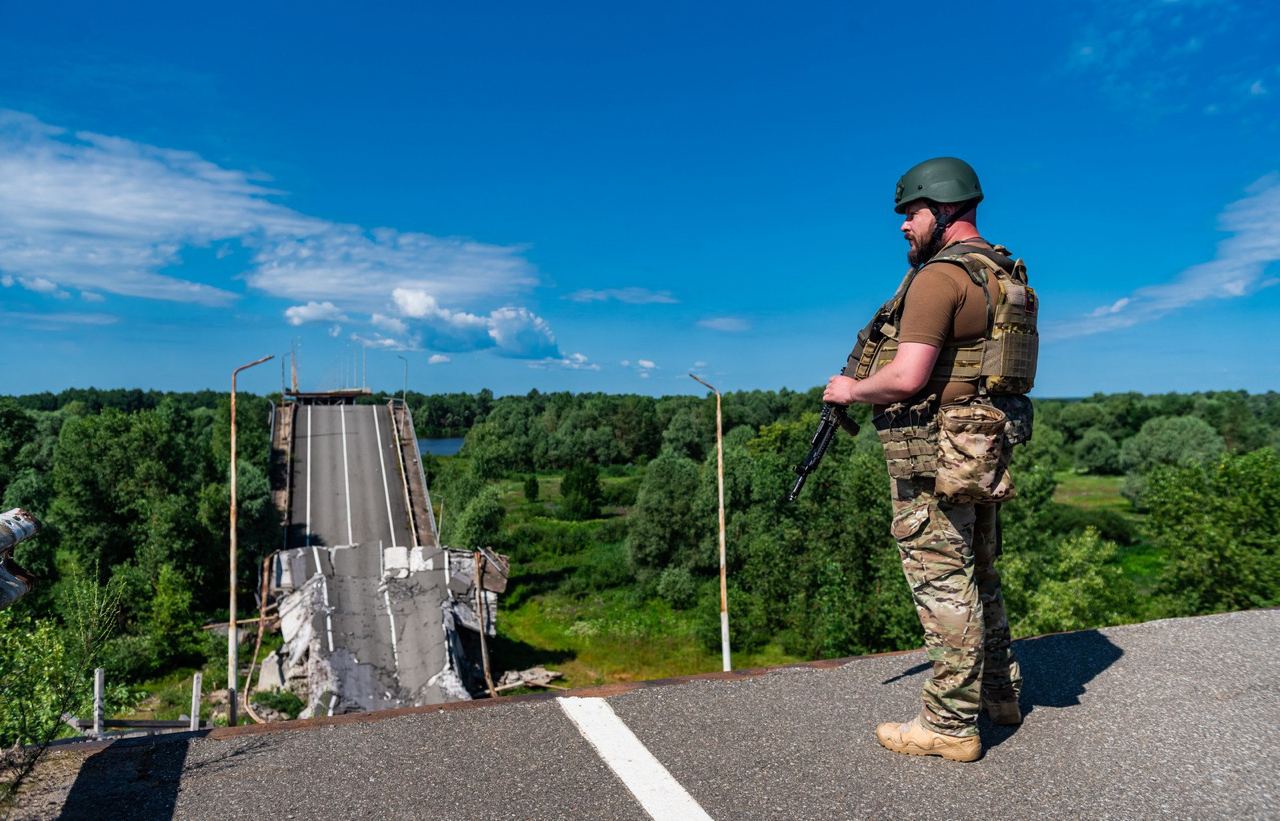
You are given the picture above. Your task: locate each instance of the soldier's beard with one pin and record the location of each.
(921, 253)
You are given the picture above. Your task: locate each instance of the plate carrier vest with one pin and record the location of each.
(1003, 361)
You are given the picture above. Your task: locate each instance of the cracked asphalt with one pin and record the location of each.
(1174, 718)
(348, 490)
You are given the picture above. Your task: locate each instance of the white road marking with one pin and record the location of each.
(658, 793)
(309, 482)
(346, 472)
(395, 653)
(386, 490)
(328, 611)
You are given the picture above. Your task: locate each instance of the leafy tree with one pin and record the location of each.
(1097, 452)
(1171, 440)
(480, 525)
(1219, 527)
(531, 488)
(580, 492)
(686, 434)
(661, 525)
(1073, 584)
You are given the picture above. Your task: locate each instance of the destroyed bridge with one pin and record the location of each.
(374, 611)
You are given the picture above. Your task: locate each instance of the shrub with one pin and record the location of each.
(1097, 452)
(580, 492)
(531, 488)
(678, 588)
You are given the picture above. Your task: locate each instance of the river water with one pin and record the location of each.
(440, 447)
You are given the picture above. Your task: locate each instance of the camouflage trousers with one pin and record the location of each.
(948, 555)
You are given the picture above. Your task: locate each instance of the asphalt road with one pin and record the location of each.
(1174, 718)
(349, 497)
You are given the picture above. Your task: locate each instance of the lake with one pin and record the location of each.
(440, 447)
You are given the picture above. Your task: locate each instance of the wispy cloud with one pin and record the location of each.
(572, 362)
(631, 296)
(1238, 269)
(313, 312)
(17, 320)
(728, 324)
(1167, 55)
(105, 214)
(438, 359)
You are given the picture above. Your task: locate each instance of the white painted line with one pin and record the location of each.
(395, 653)
(328, 611)
(333, 699)
(309, 482)
(346, 472)
(386, 490)
(658, 793)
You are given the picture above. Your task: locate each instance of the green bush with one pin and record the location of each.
(602, 567)
(580, 492)
(531, 488)
(480, 525)
(677, 587)
(1097, 452)
(282, 701)
(622, 493)
(1111, 525)
(1219, 525)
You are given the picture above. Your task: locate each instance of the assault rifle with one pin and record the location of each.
(833, 417)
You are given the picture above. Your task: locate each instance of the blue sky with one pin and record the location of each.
(604, 196)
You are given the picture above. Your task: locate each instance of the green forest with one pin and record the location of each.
(1129, 508)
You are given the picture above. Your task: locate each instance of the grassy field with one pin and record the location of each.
(1090, 492)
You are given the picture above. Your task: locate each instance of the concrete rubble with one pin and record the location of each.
(327, 676)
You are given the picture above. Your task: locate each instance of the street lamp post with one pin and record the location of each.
(404, 394)
(724, 585)
(232, 639)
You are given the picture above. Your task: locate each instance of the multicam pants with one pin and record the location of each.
(948, 554)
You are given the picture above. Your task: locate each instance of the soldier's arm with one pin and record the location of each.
(905, 376)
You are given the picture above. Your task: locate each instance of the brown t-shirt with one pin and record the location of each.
(944, 305)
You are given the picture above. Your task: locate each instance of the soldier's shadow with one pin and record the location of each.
(1056, 671)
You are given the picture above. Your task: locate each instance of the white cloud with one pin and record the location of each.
(437, 359)
(511, 331)
(17, 320)
(385, 343)
(573, 362)
(361, 268)
(389, 323)
(647, 364)
(40, 285)
(107, 214)
(92, 296)
(1114, 308)
(1237, 270)
(313, 312)
(1258, 89)
(728, 324)
(632, 296)
(335, 331)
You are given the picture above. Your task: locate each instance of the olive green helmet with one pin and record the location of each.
(941, 180)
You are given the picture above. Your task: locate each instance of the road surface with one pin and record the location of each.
(383, 636)
(1169, 719)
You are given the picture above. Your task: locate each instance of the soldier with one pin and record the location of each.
(945, 364)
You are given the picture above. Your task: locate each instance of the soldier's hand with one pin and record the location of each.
(839, 390)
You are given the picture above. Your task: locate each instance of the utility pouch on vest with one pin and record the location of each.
(973, 460)
(909, 436)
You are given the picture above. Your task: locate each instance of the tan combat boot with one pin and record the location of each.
(913, 738)
(1003, 712)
